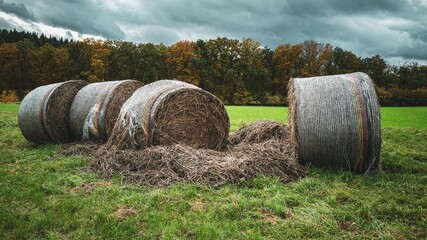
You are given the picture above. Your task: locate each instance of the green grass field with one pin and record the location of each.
(392, 117)
(45, 195)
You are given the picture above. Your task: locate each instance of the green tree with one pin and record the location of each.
(26, 49)
(376, 68)
(343, 61)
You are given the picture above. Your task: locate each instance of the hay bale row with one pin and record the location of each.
(96, 106)
(170, 112)
(43, 113)
(335, 121)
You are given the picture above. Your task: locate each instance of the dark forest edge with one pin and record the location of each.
(239, 72)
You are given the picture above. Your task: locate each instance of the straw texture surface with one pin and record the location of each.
(170, 112)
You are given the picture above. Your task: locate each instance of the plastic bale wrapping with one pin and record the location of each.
(43, 113)
(171, 112)
(95, 108)
(335, 121)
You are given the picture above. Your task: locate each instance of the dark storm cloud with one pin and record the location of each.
(81, 16)
(393, 29)
(18, 9)
(86, 17)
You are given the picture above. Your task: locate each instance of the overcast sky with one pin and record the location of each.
(394, 29)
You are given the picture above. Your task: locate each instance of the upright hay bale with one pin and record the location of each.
(43, 114)
(96, 107)
(335, 121)
(168, 112)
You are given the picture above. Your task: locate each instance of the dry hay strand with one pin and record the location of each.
(166, 165)
(335, 121)
(43, 115)
(170, 112)
(160, 166)
(260, 131)
(96, 107)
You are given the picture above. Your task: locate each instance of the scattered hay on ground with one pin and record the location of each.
(335, 121)
(159, 166)
(260, 131)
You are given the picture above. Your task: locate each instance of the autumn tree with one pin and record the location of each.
(315, 56)
(9, 68)
(99, 59)
(287, 64)
(180, 62)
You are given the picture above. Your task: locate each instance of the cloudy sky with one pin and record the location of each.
(395, 29)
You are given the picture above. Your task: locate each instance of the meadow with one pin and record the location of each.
(45, 195)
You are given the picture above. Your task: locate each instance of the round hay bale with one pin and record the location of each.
(43, 113)
(335, 121)
(96, 106)
(260, 131)
(169, 112)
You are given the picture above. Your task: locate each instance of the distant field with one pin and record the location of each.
(9, 107)
(404, 117)
(392, 117)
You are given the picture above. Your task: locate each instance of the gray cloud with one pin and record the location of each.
(5, 24)
(17, 9)
(393, 29)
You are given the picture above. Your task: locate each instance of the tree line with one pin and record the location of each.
(237, 71)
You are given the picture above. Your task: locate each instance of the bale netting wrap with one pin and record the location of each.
(96, 107)
(335, 121)
(43, 113)
(171, 112)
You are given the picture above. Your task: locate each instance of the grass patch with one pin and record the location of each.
(391, 117)
(44, 195)
(242, 115)
(404, 117)
(9, 107)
